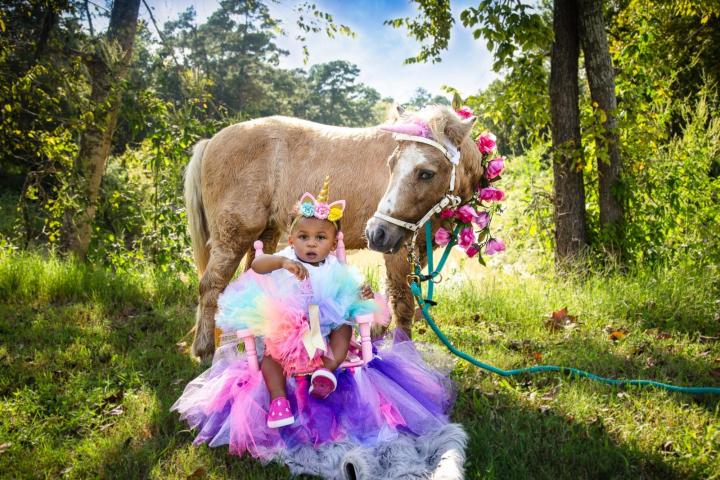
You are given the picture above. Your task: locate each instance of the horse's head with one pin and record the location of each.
(421, 173)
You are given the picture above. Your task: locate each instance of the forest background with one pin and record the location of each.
(186, 79)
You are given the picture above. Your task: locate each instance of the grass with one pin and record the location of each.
(90, 367)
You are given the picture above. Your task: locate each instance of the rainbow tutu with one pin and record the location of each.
(397, 393)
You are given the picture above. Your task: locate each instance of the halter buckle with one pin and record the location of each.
(412, 278)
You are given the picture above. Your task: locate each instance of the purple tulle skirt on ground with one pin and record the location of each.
(397, 392)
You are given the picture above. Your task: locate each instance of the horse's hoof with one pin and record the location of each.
(204, 353)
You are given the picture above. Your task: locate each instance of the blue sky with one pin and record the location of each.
(378, 50)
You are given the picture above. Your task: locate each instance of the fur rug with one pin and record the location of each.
(438, 456)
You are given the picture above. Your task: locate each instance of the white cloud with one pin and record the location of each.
(379, 51)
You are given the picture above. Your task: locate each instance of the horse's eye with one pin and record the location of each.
(426, 174)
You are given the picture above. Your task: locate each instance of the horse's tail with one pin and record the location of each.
(197, 223)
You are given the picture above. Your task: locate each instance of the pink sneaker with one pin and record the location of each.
(280, 414)
(322, 383)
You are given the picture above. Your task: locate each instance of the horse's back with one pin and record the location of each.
(265, 164)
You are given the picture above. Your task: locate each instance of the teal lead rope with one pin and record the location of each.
(427, 302)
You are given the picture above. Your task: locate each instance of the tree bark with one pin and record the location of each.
(570, 225)
(601, 78)
(95, 142)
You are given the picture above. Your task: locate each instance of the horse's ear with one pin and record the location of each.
(456, 129)
(394, 112)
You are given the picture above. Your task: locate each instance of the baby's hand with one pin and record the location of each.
(296, 268)
(366, 292)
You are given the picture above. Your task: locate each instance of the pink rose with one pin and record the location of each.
(492, 194)
(465, 112)
(494, 167)
(467, 237)
(494, 246)
(465, 213)
(486, 143)
(481, 220)
(442, 237)
(322, 210)
(472, 250)
(446, 213)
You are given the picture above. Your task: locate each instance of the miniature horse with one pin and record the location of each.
(241, 186)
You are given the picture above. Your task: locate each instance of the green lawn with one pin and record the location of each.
(90, 366)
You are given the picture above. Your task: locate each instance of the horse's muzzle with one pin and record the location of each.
(383, 236)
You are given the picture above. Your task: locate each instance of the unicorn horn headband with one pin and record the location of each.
(419, 131)
(319, 208)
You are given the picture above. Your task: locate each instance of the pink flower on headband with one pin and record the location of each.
(322, 210)
(308, 206)
(464, 112)
(486, 143)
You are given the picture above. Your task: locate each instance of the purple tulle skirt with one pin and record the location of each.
(397, 392)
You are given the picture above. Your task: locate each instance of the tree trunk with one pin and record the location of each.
(106, 80)
(570, 226)
(601, 78)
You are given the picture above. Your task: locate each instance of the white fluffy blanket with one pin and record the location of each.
(438, 456)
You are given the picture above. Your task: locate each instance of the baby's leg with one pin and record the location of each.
(274, 377)
(339, 344)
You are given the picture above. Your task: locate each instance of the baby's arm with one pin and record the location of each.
(270, 263)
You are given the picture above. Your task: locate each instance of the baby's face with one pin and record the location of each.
(313, 239)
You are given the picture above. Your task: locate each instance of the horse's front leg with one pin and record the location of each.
(401, 300)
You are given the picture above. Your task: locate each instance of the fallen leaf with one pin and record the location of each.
(5, 446)
(617, 335)
(560, 319)
(662, 335)
(706, 339)
(650, 362)
(182, 347)
(668, 446)
(537, 356)
(198, 473)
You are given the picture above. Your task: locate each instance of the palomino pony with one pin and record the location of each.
(242, 184)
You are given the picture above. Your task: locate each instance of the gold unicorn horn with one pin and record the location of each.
(324, 193)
